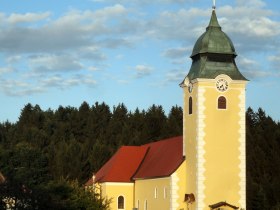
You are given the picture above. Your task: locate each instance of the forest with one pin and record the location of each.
(47, 156)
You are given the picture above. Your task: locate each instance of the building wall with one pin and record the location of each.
(178, 188)
(215, 144)
(112, 190)
(162, 193)
(190, 132)
(145, 192)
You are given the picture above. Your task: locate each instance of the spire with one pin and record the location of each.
(214, 21)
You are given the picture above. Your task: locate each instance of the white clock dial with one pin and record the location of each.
(222, 85)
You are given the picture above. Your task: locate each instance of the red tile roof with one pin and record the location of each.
(157, 159)
(162, 159)
(122, 166)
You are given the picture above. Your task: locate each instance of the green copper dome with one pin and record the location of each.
(214, 54)
(214, 40)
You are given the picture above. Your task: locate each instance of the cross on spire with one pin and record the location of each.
(214, 4)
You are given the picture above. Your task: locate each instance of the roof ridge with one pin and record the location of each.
(139, 166)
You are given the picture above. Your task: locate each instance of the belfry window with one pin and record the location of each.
(120, 202)
(190, 105)
(222, 102)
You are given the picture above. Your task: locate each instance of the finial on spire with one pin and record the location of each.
(214, 5)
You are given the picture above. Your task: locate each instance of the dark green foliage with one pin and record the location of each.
(44, 150)
(263, 161)
(41, 152)
(68, 195)
(56, 195)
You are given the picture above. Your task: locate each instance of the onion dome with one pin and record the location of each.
(214, 54)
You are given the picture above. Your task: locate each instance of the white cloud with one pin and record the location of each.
(179, 25)
(251, 3)
(143, 70)
(274, 58)
(124, 82)
(27, 17)
(23, 86)
(147, 2)
(58, 81)
(87, 39)
(13, 59)
(4, 70)
(92, 68)
(179, 55)
(275, 63)
(176, 53)
(255, 74)
(72, 31)
(175, 75)
(13, 87)
(54, 63)
(253, 70)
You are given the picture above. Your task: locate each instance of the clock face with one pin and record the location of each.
(222, 85)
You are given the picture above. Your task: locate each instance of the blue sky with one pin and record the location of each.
(132, 51)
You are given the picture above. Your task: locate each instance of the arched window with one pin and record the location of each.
(120, 202)
(222, 102)
(190, 105)
(156, 193)
(146, 205)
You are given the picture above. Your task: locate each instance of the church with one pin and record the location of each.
(206, 167)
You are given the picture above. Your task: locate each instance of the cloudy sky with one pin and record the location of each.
(132, 51)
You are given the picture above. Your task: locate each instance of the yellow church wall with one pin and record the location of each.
(154, 192)
(190, 143)
(215, 144)
(222, 147)
(178, 188)
(112, 190)
(162, 193)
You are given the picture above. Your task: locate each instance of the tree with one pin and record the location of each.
(25, 169)
(155, 123)
(68, 195)
(175, 122)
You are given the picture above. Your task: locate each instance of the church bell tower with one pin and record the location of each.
(214, 123)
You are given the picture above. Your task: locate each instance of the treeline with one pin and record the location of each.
(78, 141)
(263, 161)
(55, 147)
(46, 155)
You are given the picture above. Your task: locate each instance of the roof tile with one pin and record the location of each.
(122, 166)
(157, 159)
